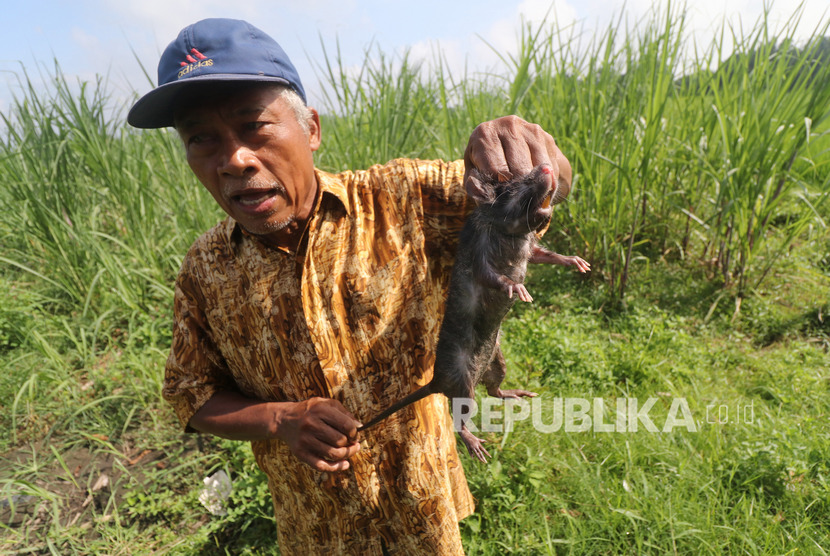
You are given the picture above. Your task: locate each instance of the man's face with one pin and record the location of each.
(251, 153)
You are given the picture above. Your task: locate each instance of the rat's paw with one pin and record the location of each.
(521, 292)
(508, 286)
(515, 394)
(474, 446)
(581, 264)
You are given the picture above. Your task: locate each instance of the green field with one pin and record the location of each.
(700, 198)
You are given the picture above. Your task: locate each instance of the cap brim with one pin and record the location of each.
(158, 107)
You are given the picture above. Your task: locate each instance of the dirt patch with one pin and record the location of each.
(79, 485)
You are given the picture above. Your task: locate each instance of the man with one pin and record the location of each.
(319, 298)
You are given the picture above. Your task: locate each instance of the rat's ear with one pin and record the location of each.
(477, 189)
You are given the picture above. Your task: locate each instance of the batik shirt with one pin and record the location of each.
(354, 316)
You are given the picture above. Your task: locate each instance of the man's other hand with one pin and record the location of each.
(320, 432)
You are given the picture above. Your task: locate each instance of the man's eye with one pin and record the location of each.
(197, 139)
(253, 126)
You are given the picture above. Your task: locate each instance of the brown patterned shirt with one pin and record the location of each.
(354, 317)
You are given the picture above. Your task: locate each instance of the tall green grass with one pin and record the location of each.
(95, 220)
(670, 156)
(97, 213)
(703, 164)
(709, 166)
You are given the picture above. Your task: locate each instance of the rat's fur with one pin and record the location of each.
(496, 244)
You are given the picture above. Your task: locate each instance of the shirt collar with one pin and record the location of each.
(333, 184)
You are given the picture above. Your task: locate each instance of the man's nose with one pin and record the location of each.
(238, 159)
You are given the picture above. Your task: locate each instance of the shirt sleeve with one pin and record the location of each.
(195, 368)
(445, 204)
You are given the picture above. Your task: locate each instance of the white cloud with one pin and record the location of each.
(167, 17)
(560, 13)
(488, 50)
(503, 37)
(84, 39)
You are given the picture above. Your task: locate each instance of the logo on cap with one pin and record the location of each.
(196, 61)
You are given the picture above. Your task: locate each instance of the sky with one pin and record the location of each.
(115, 39)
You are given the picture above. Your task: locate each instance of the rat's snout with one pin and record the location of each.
(545, 187)
(560, 186)
(545, 192)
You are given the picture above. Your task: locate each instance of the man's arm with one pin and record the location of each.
(318, 431)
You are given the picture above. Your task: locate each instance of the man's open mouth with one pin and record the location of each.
(256, 201)
(255, 198)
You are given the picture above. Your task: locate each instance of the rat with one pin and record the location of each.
(498, 240)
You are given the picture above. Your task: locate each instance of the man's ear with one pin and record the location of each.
(314, 130)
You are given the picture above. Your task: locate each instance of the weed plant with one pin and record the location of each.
(701, 183)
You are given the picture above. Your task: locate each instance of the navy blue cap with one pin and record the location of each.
(210, 51)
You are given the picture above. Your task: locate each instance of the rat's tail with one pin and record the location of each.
(418, 394)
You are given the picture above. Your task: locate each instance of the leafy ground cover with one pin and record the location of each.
(700, 202)
(751, 479)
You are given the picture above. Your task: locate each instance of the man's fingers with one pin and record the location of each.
(524, 145)
(323, 456)
(564, 174)
(322, 465)
(333, 421)
(548, 151)
(325, 451)
(329, 436)
(518, 153)
(486, 153)
(323, 434)
(340, 420)
(508, 147)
